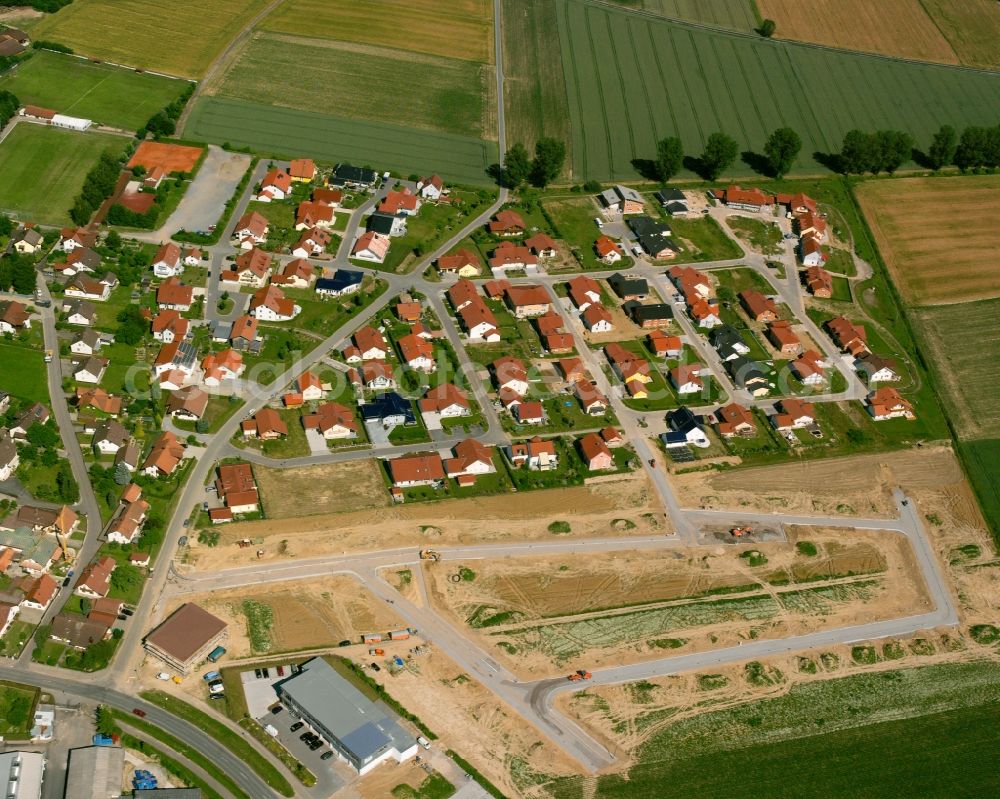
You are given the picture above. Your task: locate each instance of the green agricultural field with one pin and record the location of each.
(444, 94)
(937, 737)
(982, 465)
(42, 170)
(452, 28)
(114, 96)
(632, 79)
(285, 132)
(736, 14)
(535, 102)
(179, 37)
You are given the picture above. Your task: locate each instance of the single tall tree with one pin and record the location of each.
(857, 153)
(894, 148)
(516, 166)
(669, 158)
(971, 152)
(550, 154)
(781, 149)
(720, 152)
(767, 28)
(943, 146)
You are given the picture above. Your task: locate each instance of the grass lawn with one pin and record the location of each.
(13, 642)
(281, 216)
(840, 262)
(49, 653)
(216, 414)
(42, 169)
(573, 220)
(433, 787)
(704, 240)
(762, 236)
(741, 279)
(121, 98)
(28, 367)
(841, 289)
(17, 708)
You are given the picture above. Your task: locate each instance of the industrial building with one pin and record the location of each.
(95, 772)
(362, 732)
(21, 774)
(186, 637)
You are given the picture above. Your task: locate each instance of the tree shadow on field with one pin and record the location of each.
(831, 161)
(758, 162)
(696, 165)
(920, 158)
(646, 167)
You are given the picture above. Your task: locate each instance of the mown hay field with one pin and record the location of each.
(362, 82)
(179, 37)
(632, 79)
(971, 26)
(115, 96)
(963, 345)
(289, 133)
(451, 28)
(936, 235)
(862, 25)
(42, 169)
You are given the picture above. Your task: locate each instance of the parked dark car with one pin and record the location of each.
(257, 673)
(140, 713)
(128, 611)
(298, 725)
(376, 667)
(122, 617)
(326, 755)
(344, 643)
(315, 745)
(65, 581)
(217, 696)
(183, 540)
(277, 709)
(306, 736)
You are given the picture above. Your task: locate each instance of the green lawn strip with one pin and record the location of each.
(185, 750)
(221, 733)
(183, 774)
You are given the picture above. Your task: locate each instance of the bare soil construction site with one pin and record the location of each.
(859, 485)
(594, 510)
(543, 615)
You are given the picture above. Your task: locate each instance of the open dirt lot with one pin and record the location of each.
(327, 488)
(171, 157)
(859, 485)
(314, 614)
(590, 510)
(861, 25)
(545, 614)
(934, 234)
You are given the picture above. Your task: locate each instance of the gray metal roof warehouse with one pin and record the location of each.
(360, 729)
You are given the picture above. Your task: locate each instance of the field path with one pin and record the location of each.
(222, 59)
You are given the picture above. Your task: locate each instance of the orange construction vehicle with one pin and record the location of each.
(739, 532)
(579, 674)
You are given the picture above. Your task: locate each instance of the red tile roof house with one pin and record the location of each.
(495, 289)
(810, 368)
(235, 485)
(95, 580)
(507, 223)
(309, 386)
(612, 437)
(251, 268)
(39, 592)
(174, 295)
(276, 185)
(417, 353)
(464, 263)
(850, 338)
(745, 199)
(243, 331)
(664, 346)
(167, 261)
(819, 282)
(447, 400)
(408, 311)
(527, 301)
(686, 378)
(220, 366)
(758, 307)
(877, 369)
(313, 215)
(558, 343)
(595, 453)
(529, 413)
(691, 281)
(312, 242)
(409, 471)
(542, 245)
(810, 223)
(430, 188)
(572, 369)
(400, 202)
(479, 321)
(549, 323)
(371, 246)
(169, 326)
(735, 420)
(792, 414)
(509, 255)
(471, 459)
(539, 455)
(266, 425)
(584, 291)
(302, 169)
(597, 319)
(251, 229)
(462, 293)
(332, 420)
(509, 373)
(812, 252)
(297, 274)
(127, 525)
(164, 457)
(886, 403)
(607, 250)
(331, 197)
(591, 399)
(371, 344)
(781, 335)
(377, 375)
(269, 304)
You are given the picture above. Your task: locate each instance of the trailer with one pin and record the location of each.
(371, 638)
(399, 635)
